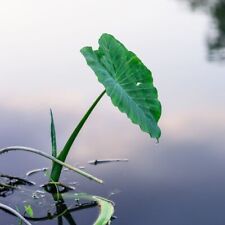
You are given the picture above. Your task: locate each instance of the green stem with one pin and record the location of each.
(36, 151)
(56, 169)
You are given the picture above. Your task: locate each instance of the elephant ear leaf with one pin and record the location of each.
(127, 81)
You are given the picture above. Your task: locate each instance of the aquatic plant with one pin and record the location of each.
(129, 84)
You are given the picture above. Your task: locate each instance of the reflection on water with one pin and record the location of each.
(216, 38)
(169, 184)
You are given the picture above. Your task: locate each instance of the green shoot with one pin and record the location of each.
(53, 136)
(57, 169)
(29, 210)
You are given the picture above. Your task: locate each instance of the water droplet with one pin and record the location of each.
(138, 83)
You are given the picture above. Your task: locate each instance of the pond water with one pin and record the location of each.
(180, 180)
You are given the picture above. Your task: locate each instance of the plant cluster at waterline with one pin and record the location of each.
(129, 84)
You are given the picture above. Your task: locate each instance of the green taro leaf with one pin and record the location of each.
(128, 82)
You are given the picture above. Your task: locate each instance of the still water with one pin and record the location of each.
(181, 180)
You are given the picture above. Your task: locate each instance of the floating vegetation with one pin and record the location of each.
(10, 183)
(100, 161)
(106, 207)
(38, 194)
(32, 172)
(61, 188)
(15, 181)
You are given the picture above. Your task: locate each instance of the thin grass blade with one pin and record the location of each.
(53, 136)
(106, 207)
(56, 169)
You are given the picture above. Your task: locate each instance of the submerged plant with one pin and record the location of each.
(129, 84)
(14, 212)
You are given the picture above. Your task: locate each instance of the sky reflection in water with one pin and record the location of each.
(216, 36)
(181, 180)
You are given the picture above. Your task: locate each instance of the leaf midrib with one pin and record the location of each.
(122, 89)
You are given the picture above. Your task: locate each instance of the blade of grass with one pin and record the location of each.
(53, 136)
(106, 211)
(106, 207)
(56, 169)
(36, 151)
